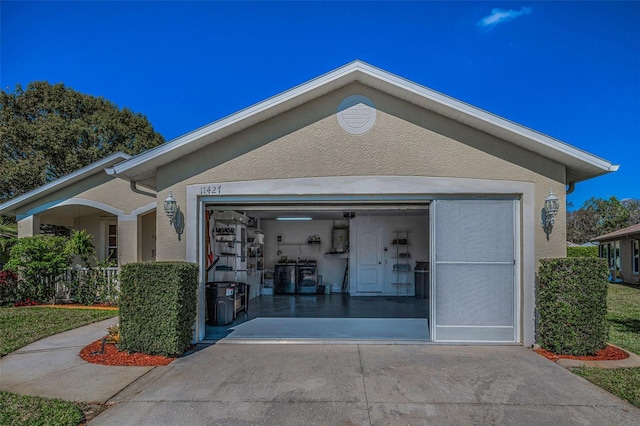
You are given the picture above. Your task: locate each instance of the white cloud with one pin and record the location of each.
(499, 16)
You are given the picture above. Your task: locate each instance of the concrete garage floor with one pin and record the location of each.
(303, 318)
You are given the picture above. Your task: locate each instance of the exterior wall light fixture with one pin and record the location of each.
(170, 207)
(551, 207)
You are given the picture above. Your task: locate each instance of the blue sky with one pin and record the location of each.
(567, 69)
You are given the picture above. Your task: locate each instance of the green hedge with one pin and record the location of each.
(580, 251)
(158, 307)
(572, 303)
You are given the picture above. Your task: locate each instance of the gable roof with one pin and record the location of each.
(633, 229)
(10, 207)
(580, 164)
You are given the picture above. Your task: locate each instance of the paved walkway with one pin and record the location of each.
(52, 368)
(318, 384)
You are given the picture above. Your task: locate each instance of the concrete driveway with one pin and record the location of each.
(364, 385)
(317, 384)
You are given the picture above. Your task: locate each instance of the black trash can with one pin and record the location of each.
(220, 302)
(421, 272)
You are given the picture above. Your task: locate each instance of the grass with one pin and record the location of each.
(21, 326)
(622, 382)
(623, 306)
(34, 410)
(18, 328)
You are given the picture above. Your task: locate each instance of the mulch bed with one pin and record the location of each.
(610, 353)
(112, 356)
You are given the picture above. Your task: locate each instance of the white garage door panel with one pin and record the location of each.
(474, 270)
(475, 231)
(475, 334)
(464, 293)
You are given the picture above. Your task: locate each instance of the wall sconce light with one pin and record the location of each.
(551, 207)
(170, 207)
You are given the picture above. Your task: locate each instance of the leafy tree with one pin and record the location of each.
(598, 216)
(634, 210)
(49, 131)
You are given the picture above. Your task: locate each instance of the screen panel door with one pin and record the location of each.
(474, 267)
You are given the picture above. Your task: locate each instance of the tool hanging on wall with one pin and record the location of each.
(345, 280)
(210, 258)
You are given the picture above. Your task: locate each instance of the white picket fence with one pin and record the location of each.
(108, 291)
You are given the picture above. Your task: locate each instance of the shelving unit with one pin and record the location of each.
(401, 266)
(255, 259)
(315, 244)
(229, 249)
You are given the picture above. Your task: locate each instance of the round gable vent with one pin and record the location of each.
(356, 114)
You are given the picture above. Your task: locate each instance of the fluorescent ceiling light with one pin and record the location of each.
(294, 218)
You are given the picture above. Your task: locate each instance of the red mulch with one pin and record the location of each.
(112, 356)
(610, 353)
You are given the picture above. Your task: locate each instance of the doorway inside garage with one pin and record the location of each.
(341, 271)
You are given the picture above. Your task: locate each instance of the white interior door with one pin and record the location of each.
(474, 270)
(369, 260)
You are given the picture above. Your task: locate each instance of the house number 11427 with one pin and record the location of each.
(210, 189)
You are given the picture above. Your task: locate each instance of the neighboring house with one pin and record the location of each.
(589, 244)
(621, 248)
(372, 161)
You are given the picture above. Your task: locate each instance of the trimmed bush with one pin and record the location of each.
(588, 251)
(157, 307)
(572, 303)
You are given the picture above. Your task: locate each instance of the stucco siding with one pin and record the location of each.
(99, 188)
(405, 141)
(83, 205)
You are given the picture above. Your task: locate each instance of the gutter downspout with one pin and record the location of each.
(571, 187)
(132, 183)
(134, 188)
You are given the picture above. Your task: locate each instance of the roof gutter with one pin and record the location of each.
(111, 171)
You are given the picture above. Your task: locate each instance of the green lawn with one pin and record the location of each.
(623, 305)
(21, 326)
(33, 410)
(18, 328)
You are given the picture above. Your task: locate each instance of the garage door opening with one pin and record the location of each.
(317, 272)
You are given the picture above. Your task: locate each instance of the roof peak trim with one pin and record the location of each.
(588, 164)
